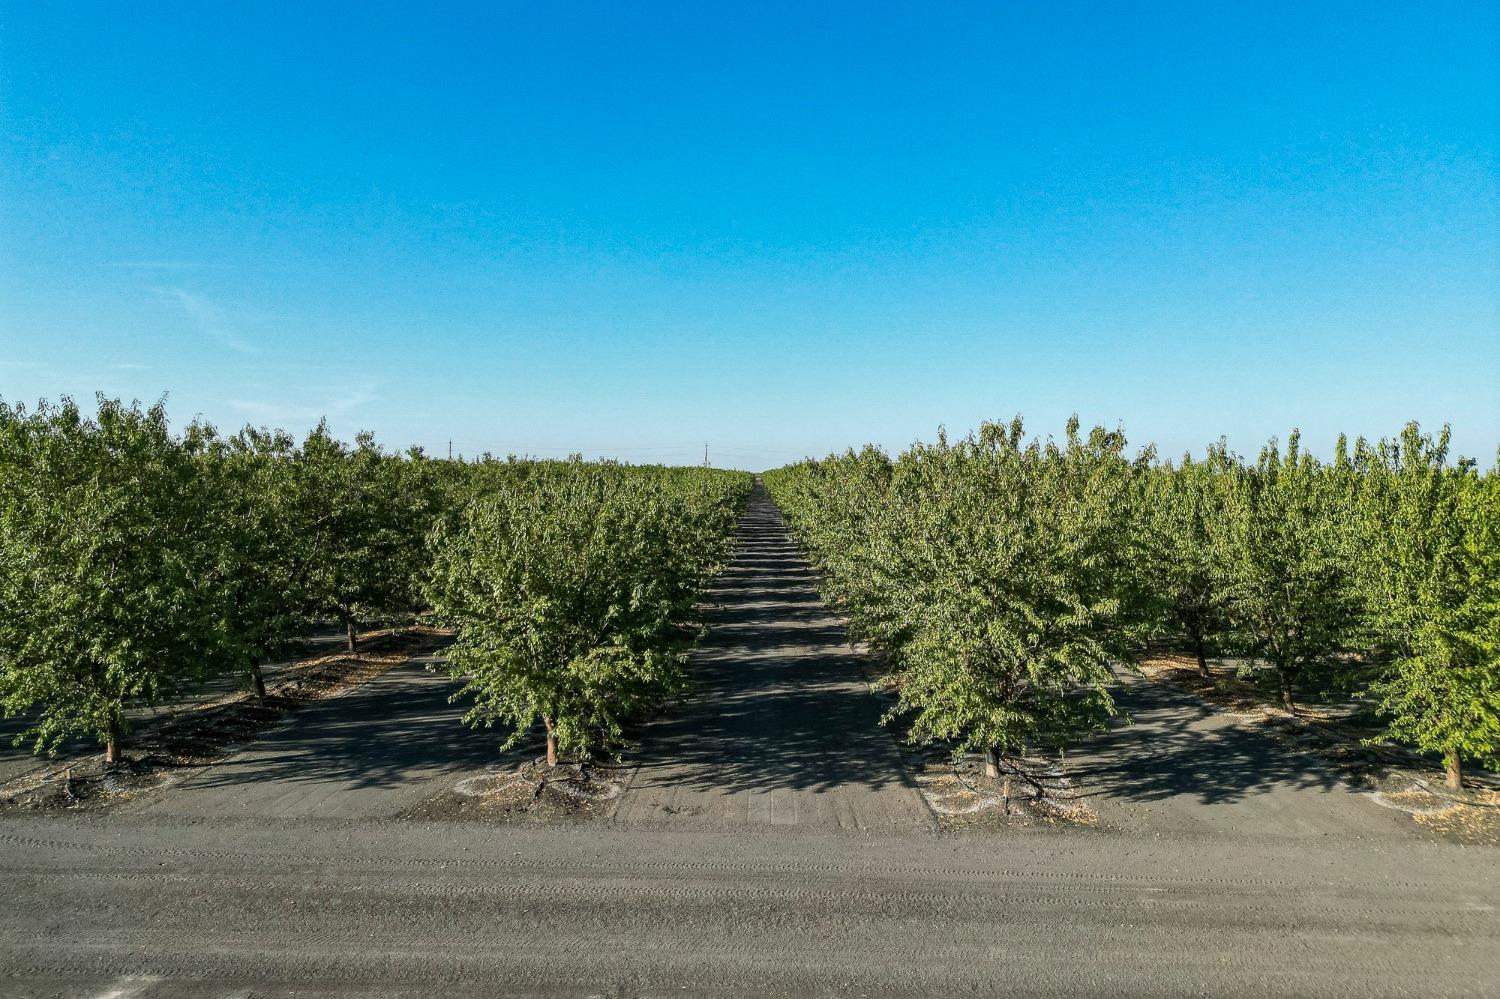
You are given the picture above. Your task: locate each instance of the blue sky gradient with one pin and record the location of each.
(784, 229)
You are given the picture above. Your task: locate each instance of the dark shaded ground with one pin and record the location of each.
(368, 752)
(17, 760)
(782, 729)
(1186, 767)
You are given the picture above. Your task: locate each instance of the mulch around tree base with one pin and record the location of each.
(522, 788)
(1030, 790)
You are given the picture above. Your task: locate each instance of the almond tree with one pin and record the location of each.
(1432, 548)
(368, 516)
(1181, 510)
(1286, 565)
(993, 576)
(567, 586)
(105, 572)
(262, 531)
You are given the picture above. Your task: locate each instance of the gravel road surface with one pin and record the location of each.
(310, 907)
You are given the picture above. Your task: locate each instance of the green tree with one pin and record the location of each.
(1181, 509)
(989, 571)
(566, 587)
(1285, 563)
(105, 595)
(369, 514)
(1429, 571)
(260, 524)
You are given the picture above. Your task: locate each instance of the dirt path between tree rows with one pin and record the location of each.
(782, 729)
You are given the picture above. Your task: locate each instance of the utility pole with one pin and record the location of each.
(450, 449)
(705, 455)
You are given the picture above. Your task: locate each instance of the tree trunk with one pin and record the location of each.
(1454, 776)
(992, 763)
(257, 679)
(1286, 694)
(112, 743)
(1202, 658)
(551, 743)
(352, 638)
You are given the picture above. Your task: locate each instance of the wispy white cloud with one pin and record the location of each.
(128, 366)
(340, 403)
(161, 265)
(207, 316)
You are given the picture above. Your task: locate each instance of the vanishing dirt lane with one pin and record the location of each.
(782, 729)
(770, 845)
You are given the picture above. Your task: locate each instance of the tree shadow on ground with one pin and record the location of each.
(395, 730)
(1175, 745)
(779, 699)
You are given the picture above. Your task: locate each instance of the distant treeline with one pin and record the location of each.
(136, 562)
(1003, 577)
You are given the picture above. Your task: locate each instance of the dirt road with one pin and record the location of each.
(783, 729)
(307, 907)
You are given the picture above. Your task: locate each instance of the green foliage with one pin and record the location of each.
(106, 578)
(135, 563)
(1432, 582)
(369, 513)
(568, 585)
(1285, 562)
(1002, 578)
(991, 572)
(1180, 513)
(259, 526)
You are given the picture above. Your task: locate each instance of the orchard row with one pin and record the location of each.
(1003, 578)
(135, 563)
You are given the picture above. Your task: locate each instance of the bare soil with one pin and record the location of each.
(1027, 791)
(521, 787)
(170, 749)
(782, 729)
(1342, 739)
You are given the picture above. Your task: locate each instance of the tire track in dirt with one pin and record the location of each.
(389, 907)
(789, 867)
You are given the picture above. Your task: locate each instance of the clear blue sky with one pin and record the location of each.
(783, 229)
